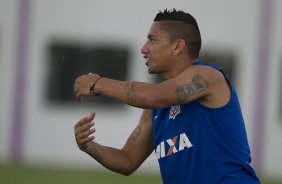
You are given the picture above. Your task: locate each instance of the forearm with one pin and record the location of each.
(114, 159)
(137, 94)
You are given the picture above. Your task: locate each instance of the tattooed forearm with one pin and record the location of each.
(145, 118)
(198, 85)
(135, 133)
(131, 91)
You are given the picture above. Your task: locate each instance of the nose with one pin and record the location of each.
(145, 49)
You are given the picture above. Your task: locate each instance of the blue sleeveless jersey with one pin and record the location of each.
(195, 144)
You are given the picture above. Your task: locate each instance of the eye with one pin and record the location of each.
(150, 38)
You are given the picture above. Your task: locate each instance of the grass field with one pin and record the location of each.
(17, 174)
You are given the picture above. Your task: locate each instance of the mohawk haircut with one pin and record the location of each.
(174, 15)
(181, 25)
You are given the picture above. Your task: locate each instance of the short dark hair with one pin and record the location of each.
(181, 25)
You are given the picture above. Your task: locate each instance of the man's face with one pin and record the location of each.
(157, 50)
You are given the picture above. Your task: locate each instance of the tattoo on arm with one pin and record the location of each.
(130, 87)
(135, 133)
(198, 85)
(145, 118)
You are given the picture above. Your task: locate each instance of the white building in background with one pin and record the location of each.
(43, 132)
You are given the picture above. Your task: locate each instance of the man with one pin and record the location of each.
(192, 120)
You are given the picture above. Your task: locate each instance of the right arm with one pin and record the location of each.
(202, 83)
(126, 160)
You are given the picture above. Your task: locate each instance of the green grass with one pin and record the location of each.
(20, 174)
(17, 174)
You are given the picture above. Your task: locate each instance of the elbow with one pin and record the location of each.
(128, 170)
(150, 98)
(154, 101)
(127, 173)
(128, 167)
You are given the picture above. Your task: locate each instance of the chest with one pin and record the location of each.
(170, 123)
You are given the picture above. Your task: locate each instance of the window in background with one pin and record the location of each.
(223, 59)
(68, 61)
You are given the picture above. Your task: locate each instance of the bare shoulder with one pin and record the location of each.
(210, 82)
(209, 73)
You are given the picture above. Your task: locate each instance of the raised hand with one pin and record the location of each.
(83, 131)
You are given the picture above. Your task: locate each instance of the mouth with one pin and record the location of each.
(147, 60)
(147, 63)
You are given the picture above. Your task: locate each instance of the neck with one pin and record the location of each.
(179, 68)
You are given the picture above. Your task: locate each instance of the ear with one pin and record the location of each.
(178, 46)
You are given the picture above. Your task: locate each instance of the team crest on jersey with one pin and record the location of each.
(174, 111)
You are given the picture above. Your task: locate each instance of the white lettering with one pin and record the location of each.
(184, 142)
(160, 150)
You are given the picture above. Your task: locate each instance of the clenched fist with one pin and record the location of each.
(84, 84)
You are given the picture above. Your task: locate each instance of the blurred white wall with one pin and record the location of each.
(273, 129)
(48, 130)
